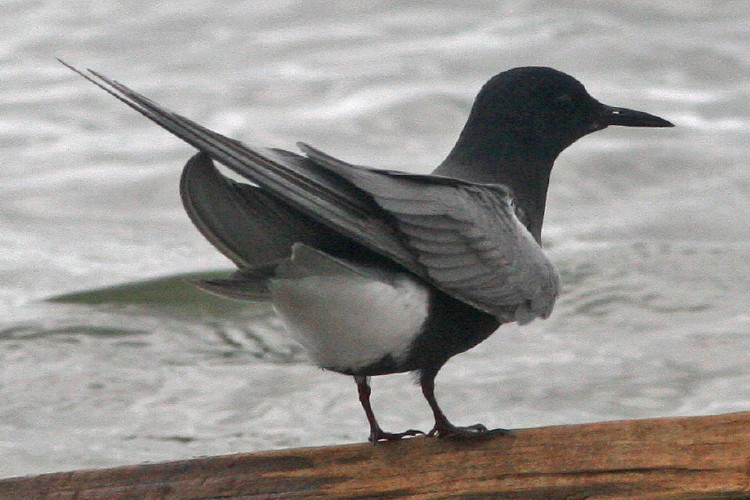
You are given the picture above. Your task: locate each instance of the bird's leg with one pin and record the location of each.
(376, 433)
(443, 428)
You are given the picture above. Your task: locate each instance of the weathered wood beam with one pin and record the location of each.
(686, 458)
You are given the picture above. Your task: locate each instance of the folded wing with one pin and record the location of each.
(466, 236)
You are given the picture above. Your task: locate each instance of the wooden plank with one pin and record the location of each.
(686, 458)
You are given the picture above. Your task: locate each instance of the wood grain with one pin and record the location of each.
(686, 458)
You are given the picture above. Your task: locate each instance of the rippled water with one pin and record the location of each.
(650, 228)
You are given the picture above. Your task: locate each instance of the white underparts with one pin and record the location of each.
(349, 321)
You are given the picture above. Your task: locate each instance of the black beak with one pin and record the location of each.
(630, 118)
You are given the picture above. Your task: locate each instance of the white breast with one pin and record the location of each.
(348, 320)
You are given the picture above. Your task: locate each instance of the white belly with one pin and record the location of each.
(349, 321)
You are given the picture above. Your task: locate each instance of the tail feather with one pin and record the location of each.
(245, 284)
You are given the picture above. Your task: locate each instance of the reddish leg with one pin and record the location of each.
(443, 428)
(376, 433)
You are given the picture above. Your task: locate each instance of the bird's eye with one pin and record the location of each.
(564, 103)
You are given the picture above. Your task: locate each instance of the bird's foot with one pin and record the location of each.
(446, 429)
(380, 435)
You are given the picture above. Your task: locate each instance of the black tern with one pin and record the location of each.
(376, 271)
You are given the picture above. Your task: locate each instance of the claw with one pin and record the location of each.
(476, 431)
(380, 435)
(443, 428)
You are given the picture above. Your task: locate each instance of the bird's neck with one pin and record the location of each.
(519, 166)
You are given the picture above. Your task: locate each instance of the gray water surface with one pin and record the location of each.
(649, 228)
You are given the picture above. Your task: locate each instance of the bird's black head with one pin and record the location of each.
(521, 121)
(542, 111)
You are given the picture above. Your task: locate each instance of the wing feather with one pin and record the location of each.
(292, 178)
(466, 235)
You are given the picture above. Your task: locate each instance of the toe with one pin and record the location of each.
(469, 432)
(393, 436)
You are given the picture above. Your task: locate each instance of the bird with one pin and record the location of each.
(377, 271)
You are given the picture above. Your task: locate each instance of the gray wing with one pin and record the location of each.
(467, 236)
(244, 222)
(300, 183)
